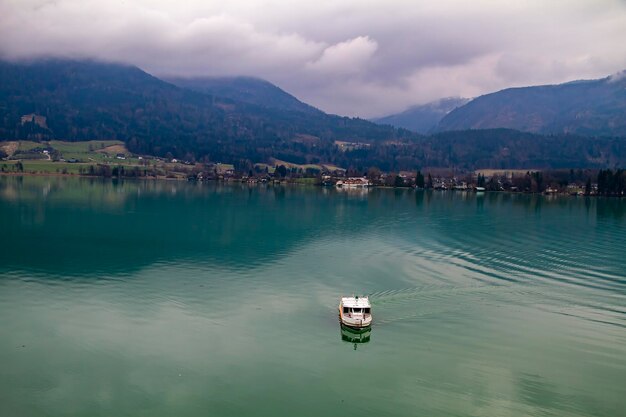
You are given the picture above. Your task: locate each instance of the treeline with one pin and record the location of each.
(462, 151)
(612, 183)
(485, 149)
(607, 182)
(119, 171)
(588, 182)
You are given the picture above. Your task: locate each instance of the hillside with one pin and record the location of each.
(246, 90)
(493, 148)
(591, 108)
(423, 118)
(81, 100)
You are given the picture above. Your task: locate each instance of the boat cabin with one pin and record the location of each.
(356, 310)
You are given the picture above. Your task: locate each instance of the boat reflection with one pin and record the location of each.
(355, 336)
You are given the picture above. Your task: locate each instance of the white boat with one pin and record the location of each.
(355, 312)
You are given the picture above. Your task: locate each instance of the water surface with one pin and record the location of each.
(168, 298)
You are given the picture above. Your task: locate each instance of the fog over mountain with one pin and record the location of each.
(349, 57)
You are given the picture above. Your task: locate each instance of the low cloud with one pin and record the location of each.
(618, 76)
(364, 58)
(349, 57)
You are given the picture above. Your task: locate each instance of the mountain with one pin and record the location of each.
(490, 148)
(423, 118)
(591, 108)
(507, 148)
(246, 90)
(82, 100)
(79, 100)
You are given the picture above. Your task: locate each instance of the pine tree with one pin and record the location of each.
(429, 184)
(419, 180)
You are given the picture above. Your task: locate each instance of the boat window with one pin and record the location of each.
(366, 310)
(356, 310)
(346, 310)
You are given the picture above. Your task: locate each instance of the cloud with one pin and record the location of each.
(618, 76)
(347, 57)
(354, 57)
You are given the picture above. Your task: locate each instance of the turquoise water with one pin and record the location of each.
(168, 298)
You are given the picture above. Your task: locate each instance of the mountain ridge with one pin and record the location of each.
(584, 107)
(85, 99)
(251, 90)
(423, 118)
(89, 100)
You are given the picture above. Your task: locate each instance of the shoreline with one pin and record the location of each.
(71, 175)
(285, 182)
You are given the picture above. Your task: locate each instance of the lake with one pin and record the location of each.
(180, 299)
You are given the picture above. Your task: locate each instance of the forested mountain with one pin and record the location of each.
(423, 118)
(79, 100)
(247, 90)
(593, 108)
(493, 148)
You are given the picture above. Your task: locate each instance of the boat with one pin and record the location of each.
(355, 312)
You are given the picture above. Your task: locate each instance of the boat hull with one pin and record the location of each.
(357, 328)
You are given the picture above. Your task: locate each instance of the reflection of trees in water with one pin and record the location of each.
(611, 208)
(81, 226)
(422, 198)
(49, 190)
(93, 226)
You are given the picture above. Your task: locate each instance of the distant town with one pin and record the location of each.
(111, 159)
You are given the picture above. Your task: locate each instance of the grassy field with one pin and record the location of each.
(26, 145)
(101, 151)
(83, 147)
(44, 167)
(318, 167)
(222, 168)
(85, 153)
(307, 181)
(105, 152)
(503, 172)
(34, 166)
(63, 147)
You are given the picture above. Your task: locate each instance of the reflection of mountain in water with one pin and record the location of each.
(84, 227)
(79, 226)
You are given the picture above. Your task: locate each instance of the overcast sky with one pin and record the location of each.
(356, 57)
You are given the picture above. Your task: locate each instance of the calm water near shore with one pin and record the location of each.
(176, 299)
